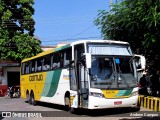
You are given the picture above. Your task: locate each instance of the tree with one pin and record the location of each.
(17, 30)
(137, 22)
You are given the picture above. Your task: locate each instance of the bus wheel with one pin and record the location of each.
(137, 108)
(72, 110)
(67, 103)
(27, 97)
(33, 102)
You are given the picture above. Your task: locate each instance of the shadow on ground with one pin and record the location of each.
(110, 112)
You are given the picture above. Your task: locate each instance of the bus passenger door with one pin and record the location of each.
(73, 86)
(78, 79)
(83, 84)
(78, 85)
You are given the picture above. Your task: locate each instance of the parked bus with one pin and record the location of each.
(91, 74)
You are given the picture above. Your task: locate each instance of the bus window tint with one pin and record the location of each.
(78, 51)
(23, 69)
(62, 59)
(27, 68)
(56, 60)
(39, 65)
(123, 66)
(67, 57)
(46, 62)
(33, 66)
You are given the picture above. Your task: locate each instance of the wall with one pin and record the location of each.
(8, 69)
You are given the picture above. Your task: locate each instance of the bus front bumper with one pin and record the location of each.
(102, 103)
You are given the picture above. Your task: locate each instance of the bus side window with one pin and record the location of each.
(39, 65)
(46, 67)
(39, 68)
(56, 60)
(33, 66)
(55, 65)
(47, 62)
(27, 70)
(62, 59)
(32, 69)
(23, 68)
(67, 57)
(78, 51)
(28, 67)
(66, 63)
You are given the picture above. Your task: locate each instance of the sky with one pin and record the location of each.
(59, 21)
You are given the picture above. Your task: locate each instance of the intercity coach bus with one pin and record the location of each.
(90, 74)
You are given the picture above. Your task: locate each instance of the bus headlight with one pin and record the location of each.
(134, 93)
(96, 94)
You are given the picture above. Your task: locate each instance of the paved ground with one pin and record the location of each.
(18, 107)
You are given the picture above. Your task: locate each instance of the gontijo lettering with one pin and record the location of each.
(36, 77)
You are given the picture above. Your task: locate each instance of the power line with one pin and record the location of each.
(55, 42)
(69, 39)
(49, 21)
(75, 36)
(63, 36)
(82, 31)
(53, 19)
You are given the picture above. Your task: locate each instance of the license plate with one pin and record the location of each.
(118, 103)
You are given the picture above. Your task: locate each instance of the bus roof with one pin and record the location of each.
(47, 52)
(74, 43)
(39, 55)
(99, 41)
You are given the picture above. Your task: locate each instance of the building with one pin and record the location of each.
(10, 73)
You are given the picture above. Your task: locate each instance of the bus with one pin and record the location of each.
(89, 74)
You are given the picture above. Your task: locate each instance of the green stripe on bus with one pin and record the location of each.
(54, 83)
(47, 84)
(121, 92)
(63, 47)
(128, 92)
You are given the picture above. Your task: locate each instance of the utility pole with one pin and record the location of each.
(110, 4)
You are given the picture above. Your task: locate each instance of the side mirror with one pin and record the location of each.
(140, 62)
(88, 59)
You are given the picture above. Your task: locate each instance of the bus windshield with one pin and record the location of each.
(113, 72)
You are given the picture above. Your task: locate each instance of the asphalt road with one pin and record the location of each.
(44, 111)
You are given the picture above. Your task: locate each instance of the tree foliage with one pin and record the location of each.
(17, 30)
(137, 22)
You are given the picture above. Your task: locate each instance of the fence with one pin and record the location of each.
(149, 102)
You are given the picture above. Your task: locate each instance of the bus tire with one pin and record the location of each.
(67, 103)
(32, 99)
(72, 110)
(28, 97)
(136, 109)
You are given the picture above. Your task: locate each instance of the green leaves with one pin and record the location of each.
(134, 21)
(130, 19)
(6, 15)
(16, 30)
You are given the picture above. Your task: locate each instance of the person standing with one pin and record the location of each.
(143, 83)
(154, 79)
(158, 86)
